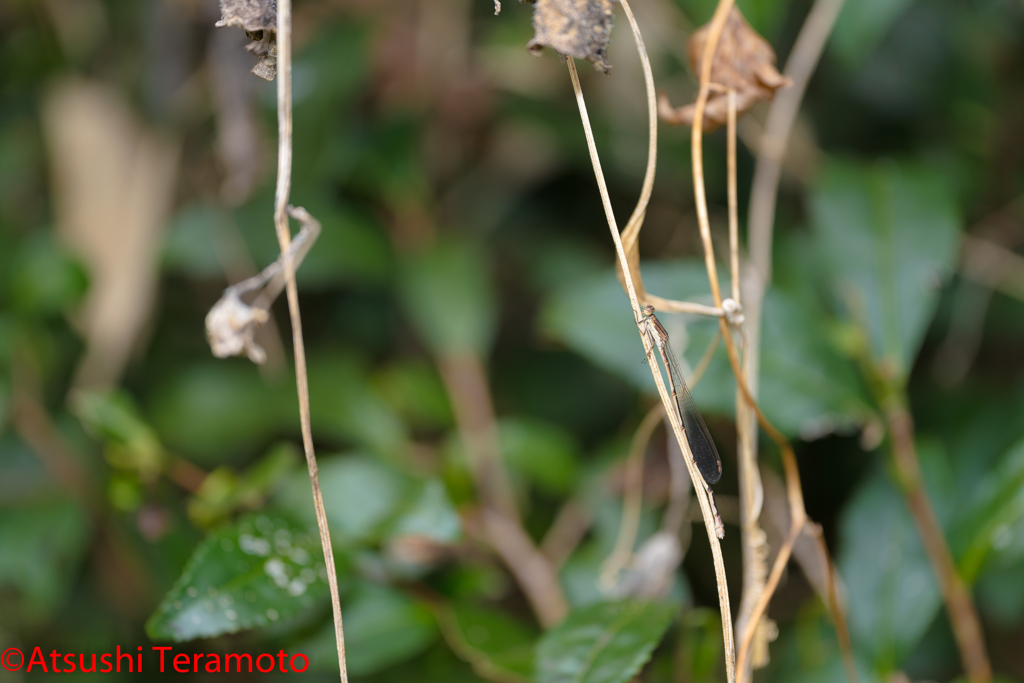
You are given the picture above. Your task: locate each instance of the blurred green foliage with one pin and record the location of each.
(461, 220)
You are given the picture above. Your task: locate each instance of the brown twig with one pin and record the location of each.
(281, 214)
(565, 533)
(465, 379)
(531, 569)
(963, 616)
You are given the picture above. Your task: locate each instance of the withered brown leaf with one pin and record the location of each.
(573, 28)
(252, 15)
(743, 61)
(259, 20)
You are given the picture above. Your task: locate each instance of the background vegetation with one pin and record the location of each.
(461, 221)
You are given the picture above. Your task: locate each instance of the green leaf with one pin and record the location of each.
(448, 296)
(414, 390)
(250, 574)
(42, 544)
(888, 233)
(343, 406)
(192, 237)
(862, 25)
(361, 495)
(45, 278)
(498, 647)
(592, 316)
(807, 387)
(131, 443)
(993, 529)
(222, 491)
(543, 452)
(603, 643)
(892, 592)
(430, 514)
(700, 645)
(213, 409)
(807, 652)
(382, 627)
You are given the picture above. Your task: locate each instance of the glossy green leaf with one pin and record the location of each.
(131, 444)
(604, 643)
(448, 297)
(344, 406)
(542, 452)
(253, 573)
(192, 238)
(213, 409)
(807, 651)
(889, 235)
(383, 627)
(428, 513)
(807, 387)
(862, 25)
(415, 391)
(892, 592)
(223, 491)
(700, 645)
(42, 544)
(993, 529)
(361, 496)
(497, 645)
(46, 279)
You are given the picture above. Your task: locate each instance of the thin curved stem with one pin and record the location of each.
(281, 211)
(632, 499)
(666, 399)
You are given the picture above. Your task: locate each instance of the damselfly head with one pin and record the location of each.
(648, 310)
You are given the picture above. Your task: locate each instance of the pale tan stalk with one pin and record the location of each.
(666, 399)
(281, 211)
(632, 498)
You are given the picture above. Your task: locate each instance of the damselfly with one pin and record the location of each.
(705, 455)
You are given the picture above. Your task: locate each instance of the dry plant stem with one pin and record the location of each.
(962, 615)
(670, 306)
(734, 221)
(677, 427)
(632, 499)
(793, 489)
(631, 233)
(752, 537)
(835, 605)
(781, 116)
(281, 210)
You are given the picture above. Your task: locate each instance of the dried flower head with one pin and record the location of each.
(743, 61)
(231, 328)
(251, 15)
(259, 20)
(573, 28)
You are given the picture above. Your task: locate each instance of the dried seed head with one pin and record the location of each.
(252, 15)
(231, 328)
(743, 61)
(259, 20)
(573, 28)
